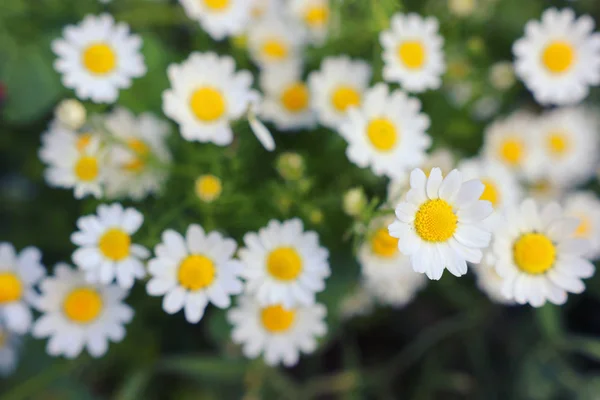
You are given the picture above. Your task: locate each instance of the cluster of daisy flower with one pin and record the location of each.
(515, 211)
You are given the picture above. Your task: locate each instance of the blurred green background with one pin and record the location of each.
(451, 342)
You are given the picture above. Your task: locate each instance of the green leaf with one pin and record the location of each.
(206, 367)
(134, 385)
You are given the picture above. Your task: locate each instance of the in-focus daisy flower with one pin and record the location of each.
(9, 351)
(337, 86)
(78, 315)
(558, 59)
(70, 113)
(537, 256)
(585, 206)
(274, 40)
(286, 100)
(488, 280)
(208, 188)
(19, 273)
(358, 302)
(284, 264)
(138, 158)
(314, 16)
(206, 94)
(79, 163)
(508, 141)
(220, 18)
(502, 189)
(387, 132)
(566, 146)
(98, 57)
(105, 249)
(387, 274)
(440, 223)
(277, 333)
(412, 52)
(194, 270)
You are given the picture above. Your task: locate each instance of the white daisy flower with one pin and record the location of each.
(9, 351)
(412, 52)
(77, 314)
(337, 86)
(275, 40)
(279, 334)
(98, 57)
(509, 142)
(585, 206)
(78, 163)
(537, 256)
(559, 57)
(190, 271)
(106, 250)
(388, 274)
(206, 95)
(58, 137)
(220, 18)
(314, 15)
(358, 302)
(286, 100)
(488, 280)
(261, 8)
(284, 264)
(19, 273)
(387, 132)
(440, 223)
(543, 191)
(138, 159)
(566, 146)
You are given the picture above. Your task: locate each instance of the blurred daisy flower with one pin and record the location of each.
(559, 57)
(286, 100)
(284, 264)
(59, 139)
(585, 206)
(194, 270)
(488, 280)
(275, 40)
(139, 157)
(314, 15)
(219, 18)
(9, 351)
(412, 52)
(19, 273)
(278, 334)
(386, 132)
(208, 188)
(387, 274)
(106, 251)
(337, 86)
(78, 315)
(358, 302)
(98, 57)
(206, 94)
(537, 256)
(440, 223)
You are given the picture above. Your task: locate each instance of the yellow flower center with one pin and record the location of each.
(412, 54)
(558, 143)
(11, 288)
(345, 96)
(83, 305)
(86, 168)
(114, 244)
(216, 5)
(83, 141)
(511, 151)
(295, 97)
(196, 272)
(435, 221)
(275, 49)
(141, 151)
(316, 16)
(284, 263)
(490, 192)
(277, 319)
(584, 228)
(558, 56)
(534, 253)
(208, 187)
(383, 244)
(382, 134)
(208, 104)
(99, 58)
